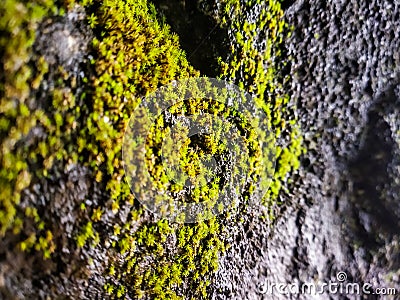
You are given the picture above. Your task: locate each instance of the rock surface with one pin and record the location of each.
(342, 212)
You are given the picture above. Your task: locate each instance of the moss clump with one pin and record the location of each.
(146, 266)
(257, 67)
(134, 55)
(213, 167)
(20, 76)
(84, 121)
(149, 268)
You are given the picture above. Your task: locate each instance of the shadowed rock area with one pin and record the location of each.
(200, 35)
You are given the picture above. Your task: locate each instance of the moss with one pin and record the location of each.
(206, 181)
(132, 54)
(259, 70)
(20, 76)
(87, 233)
(198, 246)
(196, 257)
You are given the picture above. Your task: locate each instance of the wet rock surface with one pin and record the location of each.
(342, 211)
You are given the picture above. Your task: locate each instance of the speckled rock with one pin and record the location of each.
(342, 211)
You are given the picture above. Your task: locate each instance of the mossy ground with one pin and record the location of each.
(131, 55)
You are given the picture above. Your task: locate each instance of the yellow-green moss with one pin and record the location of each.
(256, 69)
(132, 55)
(18, 80)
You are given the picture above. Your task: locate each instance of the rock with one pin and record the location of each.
(342, 213)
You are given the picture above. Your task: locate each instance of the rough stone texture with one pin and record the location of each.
(342, 212)
(63, 41)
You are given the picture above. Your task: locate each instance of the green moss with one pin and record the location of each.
(132, 55)
(258, 71)
(198, 246)
(196, 257)
(207, 183)
(87, 233)
(18, 79)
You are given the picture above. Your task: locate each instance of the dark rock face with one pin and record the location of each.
(342, 212)
(64, 40)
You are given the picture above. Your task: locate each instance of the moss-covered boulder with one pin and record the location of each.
(71, 75)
